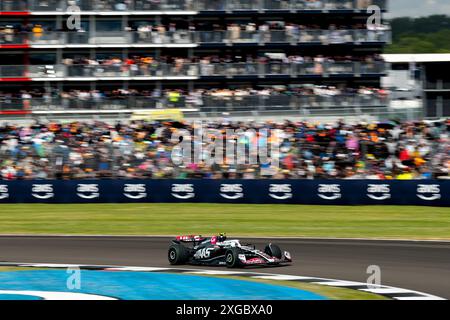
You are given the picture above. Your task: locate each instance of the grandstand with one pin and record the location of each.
(426, 81)
(209, 58)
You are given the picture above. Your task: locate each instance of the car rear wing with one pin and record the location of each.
(190, 238)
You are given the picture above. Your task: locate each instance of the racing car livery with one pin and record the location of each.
(217, 250)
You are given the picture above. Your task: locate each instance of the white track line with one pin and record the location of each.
(56, 295)
(282, 277)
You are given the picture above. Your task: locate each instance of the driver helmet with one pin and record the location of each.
(221, 237)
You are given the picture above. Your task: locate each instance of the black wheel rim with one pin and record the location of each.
(172, 255)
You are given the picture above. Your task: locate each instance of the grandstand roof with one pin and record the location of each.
(405, 58)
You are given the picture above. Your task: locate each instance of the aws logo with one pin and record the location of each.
(329, 191)
(231, 191)
(135, 191)
(88, 191)
(183, 191)
(4, 191)
(429, 192)
(42, 191)
(379, 192)
(280, 191)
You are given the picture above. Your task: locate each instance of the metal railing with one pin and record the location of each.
(276, 107)
(32, 71)
(437, 107)
(13, 5)
(437, 85)
(164, 70)
(197, 37)
(208, 104)
(189, 5)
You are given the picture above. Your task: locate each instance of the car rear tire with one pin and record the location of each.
(177, 254)
(273, 250)
(232, 258)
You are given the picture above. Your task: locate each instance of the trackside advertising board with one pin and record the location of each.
(321, 192)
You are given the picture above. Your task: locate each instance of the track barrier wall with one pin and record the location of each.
(320, 192)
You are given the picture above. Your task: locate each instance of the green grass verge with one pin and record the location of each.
(392, 222)
(333, 293)
(7, 269)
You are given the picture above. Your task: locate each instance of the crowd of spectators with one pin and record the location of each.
(205, 32)
(149, 5)
(138, 149)
(14, 33)
(123, 5)
(262, 32)
(218, 65)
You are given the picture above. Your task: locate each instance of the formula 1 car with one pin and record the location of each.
(218, 251)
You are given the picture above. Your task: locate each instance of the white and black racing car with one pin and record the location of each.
(219, 251)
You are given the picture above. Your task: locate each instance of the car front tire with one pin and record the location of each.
(273, 250)
(232, 258)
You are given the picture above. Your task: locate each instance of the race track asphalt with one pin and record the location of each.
(421, 266)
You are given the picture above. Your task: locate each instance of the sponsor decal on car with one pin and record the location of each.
(190, 238)
(254, 261)
(204, 253)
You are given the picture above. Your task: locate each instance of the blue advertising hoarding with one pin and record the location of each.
(322, 192)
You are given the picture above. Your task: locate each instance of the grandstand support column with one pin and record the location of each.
(424, 95)
(158, 20)
(124, 22)
(125, 54)
(194, 37)
(358, 69)
(59, 86)
(59, 23)
(158, 87)
(261, 6)
(261, 103)
(47, 90)
(439, 107)
(92, 26)
(59, 56)
(26, 62)
(412, 68)
(410, 114)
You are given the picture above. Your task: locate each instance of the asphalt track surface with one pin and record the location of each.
(421, 266)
